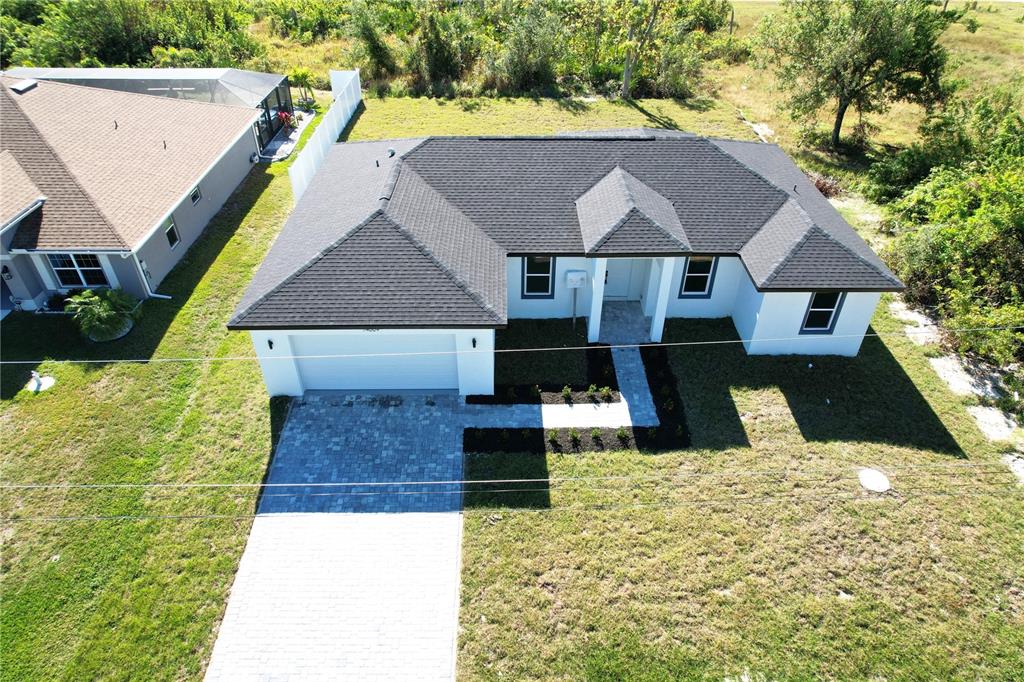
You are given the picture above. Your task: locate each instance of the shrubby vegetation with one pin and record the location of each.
(128, 33)
(957, 210)
(631, 47)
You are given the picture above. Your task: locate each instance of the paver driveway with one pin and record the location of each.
(326, 590)
(352, 567)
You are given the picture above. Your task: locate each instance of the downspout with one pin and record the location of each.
(145, 280)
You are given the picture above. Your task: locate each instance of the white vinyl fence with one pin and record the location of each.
(346, 94)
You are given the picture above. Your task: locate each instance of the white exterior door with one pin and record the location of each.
(616, 279)
(378, 361)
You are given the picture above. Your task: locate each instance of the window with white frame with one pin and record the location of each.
(698, 277)
(196, 195)
(171, 232)
(538, 277)
(77, 269)
(822, 312)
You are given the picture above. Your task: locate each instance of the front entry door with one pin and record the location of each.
(616, 280)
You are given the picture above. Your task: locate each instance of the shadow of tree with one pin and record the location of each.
(32, 336)
(867, 398)
(657, 120)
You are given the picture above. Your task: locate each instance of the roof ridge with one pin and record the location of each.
(850, 251)
(793, 249)
(744, 165)
(60, 162)
(139, 94)
(237, 317)
(444, 267)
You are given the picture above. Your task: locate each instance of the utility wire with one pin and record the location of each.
(834, 497)
(250, 358)
(951, 467)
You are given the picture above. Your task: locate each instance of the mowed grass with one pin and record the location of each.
(755, 554)
(136, 599)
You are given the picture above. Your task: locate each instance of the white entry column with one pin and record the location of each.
(599, 267)
(668, 271)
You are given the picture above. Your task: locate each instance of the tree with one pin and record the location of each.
(864, 54)
(302, 78)
(637, 20)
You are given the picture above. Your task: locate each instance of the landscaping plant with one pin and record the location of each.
(103, 315)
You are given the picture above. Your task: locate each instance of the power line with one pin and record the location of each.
(251, 358)
(834, 497)
(988, 467)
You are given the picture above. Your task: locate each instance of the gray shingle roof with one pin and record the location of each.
(620, 214)
(421, 238)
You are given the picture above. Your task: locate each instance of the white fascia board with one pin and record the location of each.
(33, 205)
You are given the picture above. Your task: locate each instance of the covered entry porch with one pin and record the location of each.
(630, 298)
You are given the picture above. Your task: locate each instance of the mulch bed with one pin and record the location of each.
(672, 432)
(600, 373)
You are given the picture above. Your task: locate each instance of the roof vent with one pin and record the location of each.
(24, 86)
(391, 152)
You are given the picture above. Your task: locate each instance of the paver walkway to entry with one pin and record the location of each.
(351, 570)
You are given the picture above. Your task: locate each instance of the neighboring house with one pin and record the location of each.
(420, 248)
(268, 92)
(108, 189)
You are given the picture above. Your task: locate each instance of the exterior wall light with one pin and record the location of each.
(270, 344)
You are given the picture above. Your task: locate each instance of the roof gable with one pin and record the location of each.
(620, 214)
(132, 156)
(17, 191)
(353, 284)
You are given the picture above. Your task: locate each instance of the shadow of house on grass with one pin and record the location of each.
(32, 336)
(867, 398)
(527, 466)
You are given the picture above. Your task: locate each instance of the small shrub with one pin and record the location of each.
(592, 391)
(828, 186)
(606, 394)
(567, 393)
(622, 434)
(103, 315)
(669, 405)
(574, 437)
(553, 437)
(595, 435)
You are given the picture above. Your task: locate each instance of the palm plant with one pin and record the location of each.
(103, 315)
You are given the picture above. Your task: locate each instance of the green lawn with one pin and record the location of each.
(546, 593)
(136, 599)
(749, 554)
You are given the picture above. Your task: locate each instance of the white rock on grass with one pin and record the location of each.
(993, 422)
(922, 329)
(1016, 463)
(952, 371)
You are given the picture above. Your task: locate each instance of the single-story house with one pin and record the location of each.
(404, 256)
(108, 189)
(268, 92)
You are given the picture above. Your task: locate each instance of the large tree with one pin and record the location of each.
(864, 54)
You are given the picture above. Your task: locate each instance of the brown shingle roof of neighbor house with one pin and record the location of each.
(17, 191)
(472, 201)
(111, 164)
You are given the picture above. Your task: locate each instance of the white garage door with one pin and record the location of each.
(390, 372)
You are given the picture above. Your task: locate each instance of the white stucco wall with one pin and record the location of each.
(216, 186)
(769, 323)
(728, 275)
(472, 368)
(561, 304)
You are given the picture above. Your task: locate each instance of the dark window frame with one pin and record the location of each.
(711, 279)
(79, 269)
(196, 195)
(171, 228)
(832, 321)
(551, 279)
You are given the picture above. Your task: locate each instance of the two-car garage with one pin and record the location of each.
(295, 361)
